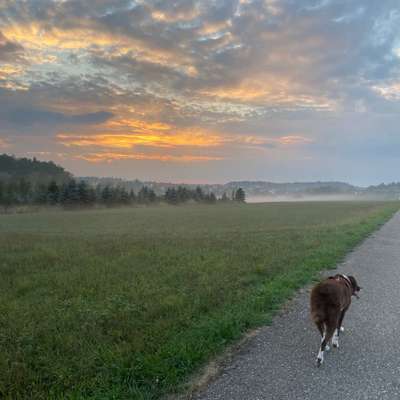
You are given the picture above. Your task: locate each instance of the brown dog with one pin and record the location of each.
(330, 300)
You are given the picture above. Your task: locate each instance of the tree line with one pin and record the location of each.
(26, 181)
(12, 169)
(72, 193)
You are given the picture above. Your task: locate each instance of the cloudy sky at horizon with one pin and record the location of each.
(204, 91)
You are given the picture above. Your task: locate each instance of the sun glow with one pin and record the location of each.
(127, 141)
(110, 157)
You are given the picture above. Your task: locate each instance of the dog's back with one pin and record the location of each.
(327, 299)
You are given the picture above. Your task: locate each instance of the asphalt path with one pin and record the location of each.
(280, 361)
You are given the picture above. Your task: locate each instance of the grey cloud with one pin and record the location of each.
(8, 49)
(27, 117)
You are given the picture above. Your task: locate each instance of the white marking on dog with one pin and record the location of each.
(335, 339)
(320, 357)
(341, 329)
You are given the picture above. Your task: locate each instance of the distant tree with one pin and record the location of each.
(24, 191)
(124, 196)
(53, 193)
(107, 195)
(70, 195)
(151, 195)
(86, 194)
(171, 196)
(91, 196)
(183, 194)
(40, 196)
(198, 195)
(115, 195)
(132, 196)
(224, 198)
(144, 195)
(211, 199)
(240, 196)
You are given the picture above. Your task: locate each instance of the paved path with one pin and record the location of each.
(279, 362)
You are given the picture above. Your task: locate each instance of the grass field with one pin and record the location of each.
(126, 303)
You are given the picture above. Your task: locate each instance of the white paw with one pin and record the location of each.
(320, 358)
(335, 341)
(327, 348)
(341, 329)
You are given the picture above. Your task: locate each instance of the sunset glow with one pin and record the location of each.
(145, 139)
(109, 157)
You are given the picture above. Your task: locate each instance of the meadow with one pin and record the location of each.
(128, 303)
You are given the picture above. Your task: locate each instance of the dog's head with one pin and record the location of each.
(354, 285)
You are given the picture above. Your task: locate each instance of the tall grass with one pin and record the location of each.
(126, 303)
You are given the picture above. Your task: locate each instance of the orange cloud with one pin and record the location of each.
(36, 37)
(180, 16)
(8, 70)
(8, 73)
(267, 91)
(127, 133)
(130, 140)
(110, 157)
(3, 143)
(293, 139)
(210, 28)
(138, 125)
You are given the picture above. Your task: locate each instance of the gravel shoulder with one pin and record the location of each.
(279, 361)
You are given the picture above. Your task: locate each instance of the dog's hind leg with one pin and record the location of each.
(330, 329)
(335, 339)
(320, 326)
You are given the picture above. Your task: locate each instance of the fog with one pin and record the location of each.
(271, 199)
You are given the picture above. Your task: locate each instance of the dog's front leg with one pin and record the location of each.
(335, 339)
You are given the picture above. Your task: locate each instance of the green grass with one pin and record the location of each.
(127, 303)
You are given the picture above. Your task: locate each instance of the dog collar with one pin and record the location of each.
(347, 280)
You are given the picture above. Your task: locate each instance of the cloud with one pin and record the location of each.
(3, 143)
(110, 157)
(231, 79)
(8, 49)
(27, 117)
(293, 139)
(153, 139)
(390, 91)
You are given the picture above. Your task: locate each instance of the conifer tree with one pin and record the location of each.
(240, 196)
(53, 193)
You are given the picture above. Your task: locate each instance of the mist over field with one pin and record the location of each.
(272, 199)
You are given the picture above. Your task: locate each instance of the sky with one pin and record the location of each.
(204, 91)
